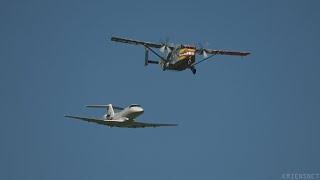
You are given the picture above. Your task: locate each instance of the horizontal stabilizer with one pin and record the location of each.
(104, 106)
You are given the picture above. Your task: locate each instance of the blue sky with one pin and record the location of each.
(239, 118)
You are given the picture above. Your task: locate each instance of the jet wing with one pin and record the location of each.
(135, 124)
(95, 120)
(221, 52)
(126, 124)
(136, 42)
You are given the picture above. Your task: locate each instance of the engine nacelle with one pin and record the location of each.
(107, 116)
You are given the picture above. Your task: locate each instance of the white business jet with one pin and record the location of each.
(125, 118)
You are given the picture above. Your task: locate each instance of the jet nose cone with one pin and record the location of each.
(139, 109)
(136, 109)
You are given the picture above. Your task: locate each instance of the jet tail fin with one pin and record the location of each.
(110, 111)
(108, 107)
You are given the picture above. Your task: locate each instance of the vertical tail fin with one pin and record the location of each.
(110, 111)
(109, 108)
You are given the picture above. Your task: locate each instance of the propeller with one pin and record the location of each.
(165, 48)
(203, 50)
(204, 53)
(162, 49)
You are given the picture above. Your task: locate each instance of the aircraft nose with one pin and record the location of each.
(137, 109)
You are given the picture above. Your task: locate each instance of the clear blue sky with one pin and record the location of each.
(239, 118)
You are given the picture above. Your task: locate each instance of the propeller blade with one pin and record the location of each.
(204, 53)
(162, 49)
(165, 46)
(168, 49)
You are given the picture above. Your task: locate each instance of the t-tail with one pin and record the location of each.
(109, 108)
(110, 112)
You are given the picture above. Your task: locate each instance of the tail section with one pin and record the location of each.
(110, 111)
(105, 106)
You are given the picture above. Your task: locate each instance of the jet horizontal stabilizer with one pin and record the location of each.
(104, 106)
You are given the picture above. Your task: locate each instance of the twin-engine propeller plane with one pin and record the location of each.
(177, 58)
(125, 118)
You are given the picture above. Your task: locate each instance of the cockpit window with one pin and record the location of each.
(134, 105)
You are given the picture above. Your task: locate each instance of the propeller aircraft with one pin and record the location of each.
(177, 58)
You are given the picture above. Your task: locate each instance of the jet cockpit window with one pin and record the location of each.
(134, 105)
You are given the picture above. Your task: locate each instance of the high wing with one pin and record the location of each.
(135, 124)
(136, 42)
(88, 119)
(221, 52)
